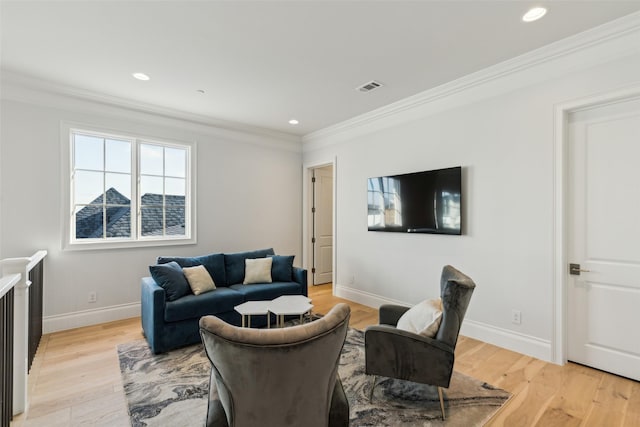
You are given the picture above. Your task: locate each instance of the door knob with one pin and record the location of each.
(575, 270)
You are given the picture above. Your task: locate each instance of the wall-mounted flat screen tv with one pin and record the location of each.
(420, 202)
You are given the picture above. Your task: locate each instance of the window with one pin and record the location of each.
(128, 190)
(163, 173)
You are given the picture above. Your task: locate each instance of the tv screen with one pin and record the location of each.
(420, 202)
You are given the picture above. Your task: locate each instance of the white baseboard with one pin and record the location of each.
(521, 343)
(515, 341)
(365, 298)
(78, 319)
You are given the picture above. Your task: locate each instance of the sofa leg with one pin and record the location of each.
(441, 402)
(373, 384)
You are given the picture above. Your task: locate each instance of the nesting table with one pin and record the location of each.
(286, 305)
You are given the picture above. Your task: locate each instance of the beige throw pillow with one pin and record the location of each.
(199, 279)
(257, 270)
(423, 318)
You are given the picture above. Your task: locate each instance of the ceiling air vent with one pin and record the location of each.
(369, 86)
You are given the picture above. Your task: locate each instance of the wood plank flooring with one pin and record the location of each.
(75, 379)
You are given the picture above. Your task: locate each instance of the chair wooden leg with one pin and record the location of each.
(373, 384)
(441, 402)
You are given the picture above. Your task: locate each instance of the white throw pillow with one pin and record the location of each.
(199, 279)
(257, 270)
(423, 318)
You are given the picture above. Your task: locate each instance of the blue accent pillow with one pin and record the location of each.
(169, 276)
(214, 263)
(282, 268)
(234, 264)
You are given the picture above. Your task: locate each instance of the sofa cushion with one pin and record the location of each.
(282, 268)
(214, 263)
(267, 291)
(257, 270)
(234, 264)
(219, 300)
(199, 279)
(169, 276)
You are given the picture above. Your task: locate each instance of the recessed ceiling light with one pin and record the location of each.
(293, 122)
(141, 76)
(534, 14)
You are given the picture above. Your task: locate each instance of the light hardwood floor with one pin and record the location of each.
(75, 379)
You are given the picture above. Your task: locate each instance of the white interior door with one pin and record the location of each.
(323, 221)
(604, 226)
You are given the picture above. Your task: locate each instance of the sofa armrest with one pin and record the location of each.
(389, 314)
(391, 352)
(152, 305)
(300, 276)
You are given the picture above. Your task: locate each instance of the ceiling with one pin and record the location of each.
(261, 63)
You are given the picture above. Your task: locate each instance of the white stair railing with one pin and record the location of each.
(16, 271)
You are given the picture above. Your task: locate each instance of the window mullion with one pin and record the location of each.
(104, 189)
(164, 192)
(135, 190)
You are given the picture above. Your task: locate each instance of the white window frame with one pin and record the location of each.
(70, 242)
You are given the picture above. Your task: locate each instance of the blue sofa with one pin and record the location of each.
(171, 324)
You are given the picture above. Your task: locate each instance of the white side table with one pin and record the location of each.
(253, 308)
(288, 305)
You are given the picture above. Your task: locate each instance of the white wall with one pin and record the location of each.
(501, 130)
(1, 198)
(248, 197)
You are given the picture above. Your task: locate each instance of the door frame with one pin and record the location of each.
(307, 202)
(561, 209)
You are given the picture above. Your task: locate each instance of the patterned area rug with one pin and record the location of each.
(171, 390)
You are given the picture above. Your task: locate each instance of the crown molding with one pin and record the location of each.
(626, 26)
(25, 88)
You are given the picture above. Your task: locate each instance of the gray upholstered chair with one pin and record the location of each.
(276, 377)
(396, 353)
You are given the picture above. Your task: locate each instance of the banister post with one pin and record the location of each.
(21, 330)
(7, 291)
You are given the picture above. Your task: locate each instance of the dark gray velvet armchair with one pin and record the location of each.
(395, 353)
(276, 377)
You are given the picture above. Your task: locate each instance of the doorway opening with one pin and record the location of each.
(319, 230)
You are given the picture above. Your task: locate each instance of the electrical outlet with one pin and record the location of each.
(352, 280)
(516, 317)
(93, 296)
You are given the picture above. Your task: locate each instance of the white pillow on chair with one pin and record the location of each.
(423, 318)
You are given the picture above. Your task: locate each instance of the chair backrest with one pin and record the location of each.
(276, 377)
(456, 289)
